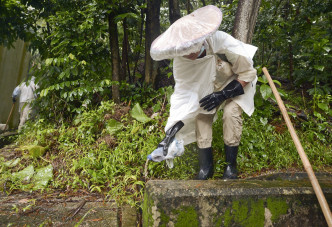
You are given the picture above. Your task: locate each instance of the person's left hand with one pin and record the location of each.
(212, 100)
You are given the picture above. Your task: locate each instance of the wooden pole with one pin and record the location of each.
(314, 182)
(10, 114)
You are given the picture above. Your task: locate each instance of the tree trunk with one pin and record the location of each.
(125, 44)
(137, 57)
(174, 10)
(291, 61)
(152, 30)
(188, 6)
(286, 15)
(115, 56)
(245, 20)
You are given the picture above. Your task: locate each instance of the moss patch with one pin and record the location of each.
(227, 217)
(164, 219)
(278, 207)
(244, 212)
(186, 217)
(35, 150)
(147, 212)
(249, 212)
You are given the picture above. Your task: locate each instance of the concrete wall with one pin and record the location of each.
(14, 64)
(233, 203)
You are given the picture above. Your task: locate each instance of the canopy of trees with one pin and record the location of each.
(90, 51)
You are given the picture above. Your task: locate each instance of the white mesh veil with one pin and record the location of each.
(186, 35)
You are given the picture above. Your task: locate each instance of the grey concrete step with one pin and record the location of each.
(277, 200)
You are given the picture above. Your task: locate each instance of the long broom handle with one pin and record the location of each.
(10, 114)
(318, 191)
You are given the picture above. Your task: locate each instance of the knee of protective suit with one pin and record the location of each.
(232, 124)
(204, 130)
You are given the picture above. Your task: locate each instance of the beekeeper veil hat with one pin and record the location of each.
(187, 34)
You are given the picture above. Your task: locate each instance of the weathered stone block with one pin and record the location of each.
(278, 201)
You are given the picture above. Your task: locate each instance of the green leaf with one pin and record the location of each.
(169, 91)
(12, 163)
(139, 114)
(80, 92)
(156, 107)
(71, 56)
(113, 126)
(266, 91)
(277, 82)
(319, 67)
(135, 130)
(262, 79)
(61, 75)
(282, 93)
(327, 49)
(75, 71)
(34, 150)
(126, 15)
(25, 174)
(48, 61)
(263, 120)
(44, 92)
(323, 106)
(42, 177)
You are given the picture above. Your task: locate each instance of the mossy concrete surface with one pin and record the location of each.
(280, 200)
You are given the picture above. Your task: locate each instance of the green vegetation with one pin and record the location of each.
(277, 206)
(104, 150)
(147, 211)
(246, 217)
(249, 212)
(85, 141)
(187, 216)
(239, 212)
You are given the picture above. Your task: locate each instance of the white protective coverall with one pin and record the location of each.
(26, 93)
(196, 79)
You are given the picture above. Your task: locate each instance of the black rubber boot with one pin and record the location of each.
(205, 159)
(230, 171)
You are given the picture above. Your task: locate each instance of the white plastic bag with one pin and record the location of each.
(176, 149)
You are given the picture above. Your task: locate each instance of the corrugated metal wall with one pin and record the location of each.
(14, 65)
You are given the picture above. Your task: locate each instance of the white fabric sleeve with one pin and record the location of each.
(243, 67)
(16, 92)
(222, 43)
(239, 54)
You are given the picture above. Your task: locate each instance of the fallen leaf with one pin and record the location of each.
(24, 201)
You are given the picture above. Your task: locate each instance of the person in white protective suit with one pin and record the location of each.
(212, 70)
(26, 94)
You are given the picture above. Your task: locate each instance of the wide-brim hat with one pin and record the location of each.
(187, 34)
